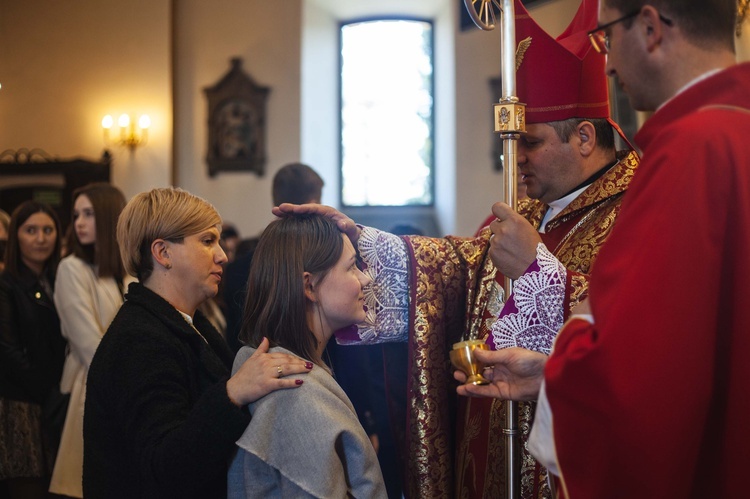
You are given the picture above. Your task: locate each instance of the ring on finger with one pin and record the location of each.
(280, 371)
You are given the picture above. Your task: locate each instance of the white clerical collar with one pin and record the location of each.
(689, 84)
(558, 206)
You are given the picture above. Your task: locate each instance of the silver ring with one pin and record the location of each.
(279, 370)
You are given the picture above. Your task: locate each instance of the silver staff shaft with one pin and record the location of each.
(512, 124)
(511, 435)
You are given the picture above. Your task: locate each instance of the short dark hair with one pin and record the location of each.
(229, 231)
(276, 305)
(296, 183)
(13, 251)
(703, 21)
(107, 201)
(605, 135)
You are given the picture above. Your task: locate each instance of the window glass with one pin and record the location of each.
(386, 113)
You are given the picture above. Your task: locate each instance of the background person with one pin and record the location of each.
(304, 285)
(88, 294)
(230, 240)
(162, 412)
(32, 352)
(4, 223)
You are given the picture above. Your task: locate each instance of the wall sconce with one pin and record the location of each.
(130, 135)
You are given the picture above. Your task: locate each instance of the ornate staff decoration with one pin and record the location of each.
(510, 123)
(742, 8)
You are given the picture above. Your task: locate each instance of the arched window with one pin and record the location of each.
(387, 129)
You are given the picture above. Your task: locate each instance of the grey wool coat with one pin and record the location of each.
(305, 442)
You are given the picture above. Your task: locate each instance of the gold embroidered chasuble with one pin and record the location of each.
(454, 294)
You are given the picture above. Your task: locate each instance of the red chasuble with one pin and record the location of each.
(654, 399)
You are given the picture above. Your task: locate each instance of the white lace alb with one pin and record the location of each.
(387, 296)
(538, 297)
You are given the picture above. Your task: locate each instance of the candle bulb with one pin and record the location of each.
(107, 123)
(123, 122)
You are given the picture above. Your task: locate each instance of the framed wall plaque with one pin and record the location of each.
(236, 123)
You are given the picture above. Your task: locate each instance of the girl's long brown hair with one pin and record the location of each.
(276, 304)
(108, 202)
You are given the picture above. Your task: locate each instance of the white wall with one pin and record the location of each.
(320, 87)
(320, 100)
(268, 39)
(448, 198)
(64, 65)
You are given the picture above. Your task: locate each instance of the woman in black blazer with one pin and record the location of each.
(163, 411)
(32, 350)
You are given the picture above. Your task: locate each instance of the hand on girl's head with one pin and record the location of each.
(345, 224)
(264, 373)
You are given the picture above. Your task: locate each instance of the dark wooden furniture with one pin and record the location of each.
(34, 174)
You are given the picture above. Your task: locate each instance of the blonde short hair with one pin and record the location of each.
(166, 213)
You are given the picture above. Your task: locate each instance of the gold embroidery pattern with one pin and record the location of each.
(443, 281)
(523, 46)
(742, 8)
(532, 210)
(616, 181)
(485, 295)
(471, 431)
(579, 248)
(579, 289)
(454, 286)
(596, 209)
(494, 482)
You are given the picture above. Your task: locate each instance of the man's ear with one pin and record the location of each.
(309, 287)
(586, 135)
(651, 26)
(160, 251)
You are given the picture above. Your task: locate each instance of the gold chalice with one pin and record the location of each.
(463, 359)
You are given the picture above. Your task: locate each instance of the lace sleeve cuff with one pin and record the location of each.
(387, 296)
(534, 313)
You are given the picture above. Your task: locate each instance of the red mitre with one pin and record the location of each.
(560, 78)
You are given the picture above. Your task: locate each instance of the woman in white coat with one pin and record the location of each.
(88, 294)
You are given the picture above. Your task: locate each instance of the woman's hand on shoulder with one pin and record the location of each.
(264, 373)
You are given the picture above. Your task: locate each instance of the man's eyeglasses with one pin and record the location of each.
(600, 39)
